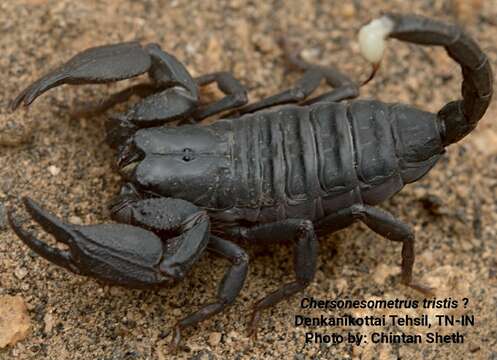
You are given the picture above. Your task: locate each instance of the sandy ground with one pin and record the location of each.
(62, 162)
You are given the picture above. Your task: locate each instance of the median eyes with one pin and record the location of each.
(188, 155)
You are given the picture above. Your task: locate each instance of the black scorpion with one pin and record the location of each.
(292, 172)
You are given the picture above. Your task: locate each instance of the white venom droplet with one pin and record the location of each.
(372, 38)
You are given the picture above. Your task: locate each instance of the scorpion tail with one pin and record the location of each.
(457, 118)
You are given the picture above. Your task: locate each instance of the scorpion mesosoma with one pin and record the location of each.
(292, 172)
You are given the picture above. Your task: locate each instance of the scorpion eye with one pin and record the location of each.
(188, 154)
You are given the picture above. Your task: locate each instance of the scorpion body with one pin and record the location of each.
(292, 162)
(287, 173)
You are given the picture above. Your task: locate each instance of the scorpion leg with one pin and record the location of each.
(229, 287)
(236, 94)
(385, 224)
(304, 259)
(344, 87)
(159, 214)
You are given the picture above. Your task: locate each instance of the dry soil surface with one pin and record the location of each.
(63, 162)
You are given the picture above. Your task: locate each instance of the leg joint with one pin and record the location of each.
(305, 280)
(353, 90)
(227, 300)
(241, 258)
(305, 227)
(358, 211)
(409, 235)
(297, 94)
(240, 98)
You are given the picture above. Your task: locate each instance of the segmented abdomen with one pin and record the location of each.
(311, 161)
(288, 160)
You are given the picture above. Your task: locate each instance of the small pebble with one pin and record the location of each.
(264, 43)
(466, 10)
(310, 54)
(54, 170)
(348, 10)
(20, 273)
(15, 323)
(214, 338)
(49, 321)
(381, 273)
(76, 220)
(15, 132)
(203, 356)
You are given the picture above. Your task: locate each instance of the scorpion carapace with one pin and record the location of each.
(290, 172)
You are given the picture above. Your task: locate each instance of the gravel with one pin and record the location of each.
(62, 162)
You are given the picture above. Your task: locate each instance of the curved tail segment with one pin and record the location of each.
(457, 118)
